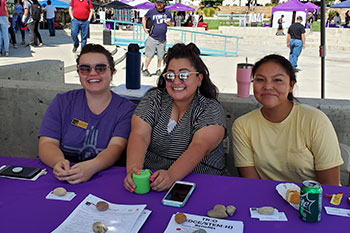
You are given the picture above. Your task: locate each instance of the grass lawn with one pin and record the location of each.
(316, 26)
(214, 24)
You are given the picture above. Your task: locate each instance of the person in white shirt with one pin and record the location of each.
(102, 15)
(337, 19)
(50, 17)
(195, 20)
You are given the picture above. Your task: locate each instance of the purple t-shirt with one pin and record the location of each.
(83, 134)
(159, 19)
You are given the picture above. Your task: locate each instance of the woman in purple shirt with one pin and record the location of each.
(89, 126)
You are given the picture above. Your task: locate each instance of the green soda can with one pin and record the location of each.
(310, 201)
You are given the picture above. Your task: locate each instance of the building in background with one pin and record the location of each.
(244, 2)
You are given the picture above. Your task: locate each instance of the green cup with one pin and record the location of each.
(142, 181)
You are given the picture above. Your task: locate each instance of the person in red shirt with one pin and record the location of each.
(80, 12)
(4, 24)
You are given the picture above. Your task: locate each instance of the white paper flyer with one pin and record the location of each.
(210, 225)
(118, 218)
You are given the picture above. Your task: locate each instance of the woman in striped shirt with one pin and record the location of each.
(179, 126)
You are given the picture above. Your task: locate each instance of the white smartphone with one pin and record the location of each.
(178, 194)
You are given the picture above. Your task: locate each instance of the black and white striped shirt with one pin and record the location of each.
(165, 148)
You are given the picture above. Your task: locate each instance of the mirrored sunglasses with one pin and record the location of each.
(183, 76)
(86, 69)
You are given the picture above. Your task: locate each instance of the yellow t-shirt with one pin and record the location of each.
(291, 150)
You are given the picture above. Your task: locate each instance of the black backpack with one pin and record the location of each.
(35, 11)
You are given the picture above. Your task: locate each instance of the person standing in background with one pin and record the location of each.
(177, 18)
(310, 21)
(347, 17)
(13, 40)
(156, 41)
(195, 20)
(4, 25)
(337, 19)
(296, 41)
(31, 17)
(188, 20)
(102, 15)
(16, 20)
(201, 18)
(50, 17)
(231, 18)
(80, 12)
(315, 14)
(280, 26)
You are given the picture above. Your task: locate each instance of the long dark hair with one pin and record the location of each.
(192, 53)
(284, 63)
(96, 48)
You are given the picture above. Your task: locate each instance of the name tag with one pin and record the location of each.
(79, 123)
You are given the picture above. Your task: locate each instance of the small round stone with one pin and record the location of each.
(217, 213)
(220, 207)
(180, 218)
(200, 231)
(102, 205)
(99, 227)
(230, 209)
(59, 191)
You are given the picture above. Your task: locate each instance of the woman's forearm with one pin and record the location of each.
(248, 172)
(136, 150)
(187, 162)
(49, 151)
(204, 141)
(109, 156)
(139, 140)
(330, 176)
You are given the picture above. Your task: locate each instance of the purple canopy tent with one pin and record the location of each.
(179, 7)
(145, 5)
(312, 6)
(287, 9)
(292, 5)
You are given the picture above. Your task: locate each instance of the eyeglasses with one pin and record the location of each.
(86, 69)
(183, 76)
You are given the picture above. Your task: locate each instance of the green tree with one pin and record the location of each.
(212, 2)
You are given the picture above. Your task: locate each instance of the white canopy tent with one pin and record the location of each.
(287, 9)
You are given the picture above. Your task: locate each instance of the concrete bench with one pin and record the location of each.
(23, 103)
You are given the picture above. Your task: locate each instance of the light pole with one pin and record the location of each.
(323, 48)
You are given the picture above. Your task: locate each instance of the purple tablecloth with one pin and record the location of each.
(23, 207)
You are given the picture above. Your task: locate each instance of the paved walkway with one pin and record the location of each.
(222, 69)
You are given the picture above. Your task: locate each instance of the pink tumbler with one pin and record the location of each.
(244, 73)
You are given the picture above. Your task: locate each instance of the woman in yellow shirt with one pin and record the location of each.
(284, 140)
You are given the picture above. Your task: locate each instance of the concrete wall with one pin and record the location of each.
(44, 70)
(23, 103)
(26, 89)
